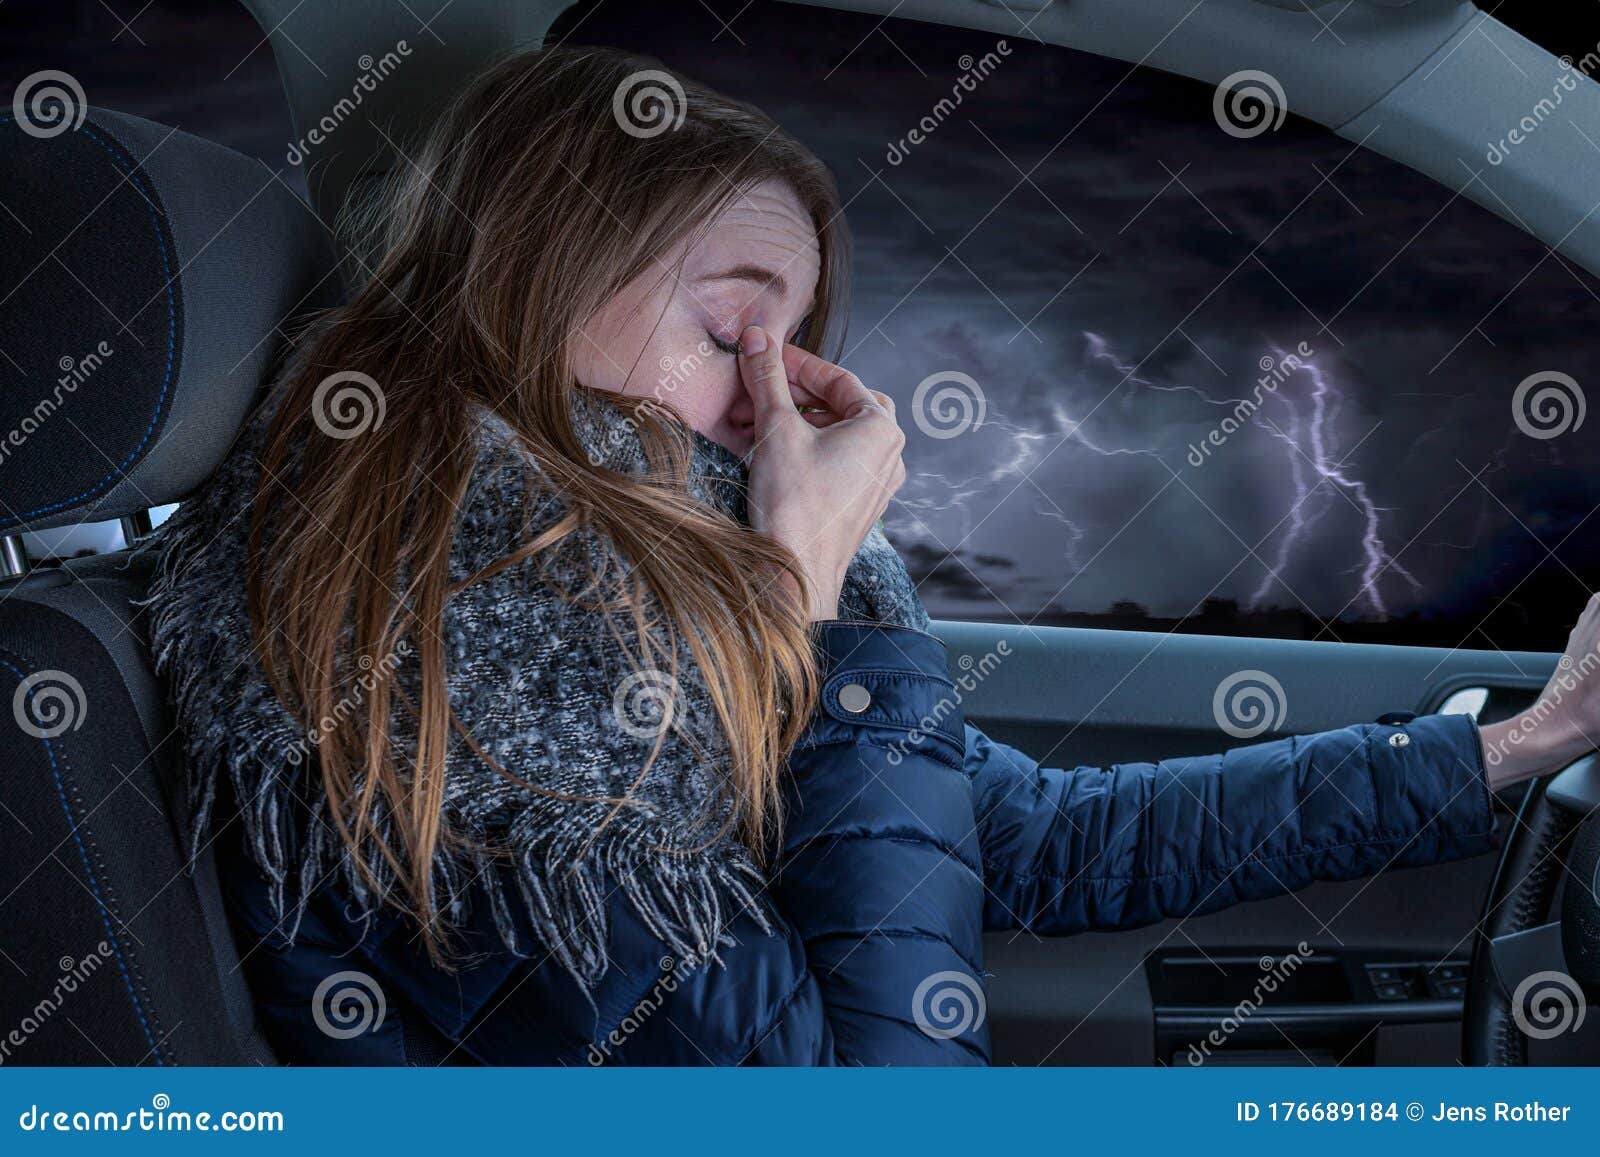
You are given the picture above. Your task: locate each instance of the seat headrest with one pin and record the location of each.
(150, 277)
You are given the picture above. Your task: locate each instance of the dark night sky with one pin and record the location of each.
(1104, 307)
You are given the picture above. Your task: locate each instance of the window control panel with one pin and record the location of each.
(1331, 1005)
(1444, 981)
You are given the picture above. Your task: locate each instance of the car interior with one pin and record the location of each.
(158, 277)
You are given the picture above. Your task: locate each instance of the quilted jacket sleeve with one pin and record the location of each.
(1071, 850)
(879, 872)
(877, 958)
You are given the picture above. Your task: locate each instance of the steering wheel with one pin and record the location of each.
(1530, 974)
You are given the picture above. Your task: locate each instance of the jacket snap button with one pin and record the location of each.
(1399, 739)
(854, 698)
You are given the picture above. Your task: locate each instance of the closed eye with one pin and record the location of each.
(727, 347)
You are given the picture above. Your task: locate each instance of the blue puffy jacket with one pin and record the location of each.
(902, 847)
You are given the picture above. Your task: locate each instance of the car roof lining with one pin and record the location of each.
(1421, 81)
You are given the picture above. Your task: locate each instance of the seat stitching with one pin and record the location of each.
(78, 832)
(120, 471)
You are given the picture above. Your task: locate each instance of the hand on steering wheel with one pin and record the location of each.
(1530, 978)
(1564, 722)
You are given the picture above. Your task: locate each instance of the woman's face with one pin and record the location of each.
(675, 339)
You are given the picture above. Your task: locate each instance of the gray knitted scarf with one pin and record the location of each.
(542, 684)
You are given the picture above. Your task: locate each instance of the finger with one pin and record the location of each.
(804, 397)
(762, 369)
(875, 407)
(839, 389)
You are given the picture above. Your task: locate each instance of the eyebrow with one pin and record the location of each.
(768, 278)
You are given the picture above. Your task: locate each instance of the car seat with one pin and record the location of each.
(152, 278)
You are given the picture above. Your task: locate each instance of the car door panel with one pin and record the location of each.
(1072, 697)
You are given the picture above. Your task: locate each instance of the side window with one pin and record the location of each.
(1165, 362)
(1162, 369)
(49, 547)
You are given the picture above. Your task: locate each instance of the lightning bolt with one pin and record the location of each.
(1100, 350)
(1297, 510)
(932, 492)
(1306, 405)
(1316, 450)
(1309, 433)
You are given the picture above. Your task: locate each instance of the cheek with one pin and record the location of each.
(669, 359)
(700, 385)
(615, 349)
(601, 353)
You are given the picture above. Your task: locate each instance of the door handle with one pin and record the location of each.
(1466, 701)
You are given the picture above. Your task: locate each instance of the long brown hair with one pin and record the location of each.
(554, 180)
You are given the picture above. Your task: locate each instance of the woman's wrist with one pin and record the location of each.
(819, 607)
(825, 614)
(824, 605)
(1528, 745)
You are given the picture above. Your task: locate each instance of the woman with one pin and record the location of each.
(556, 698)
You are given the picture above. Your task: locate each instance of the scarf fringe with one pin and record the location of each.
(562, 856)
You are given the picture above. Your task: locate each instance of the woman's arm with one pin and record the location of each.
(876, 890)
(1089, 848)
(879, 871)
(877, 955)
(1073, 850)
